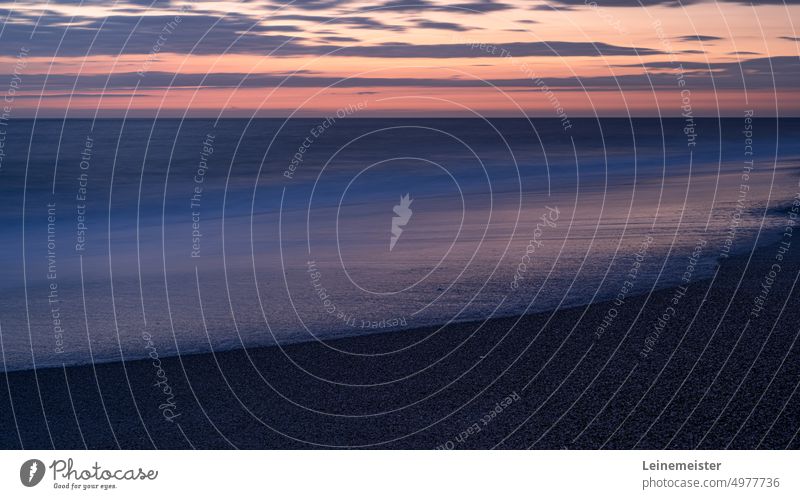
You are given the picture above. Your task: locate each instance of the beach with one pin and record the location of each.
(710, 365)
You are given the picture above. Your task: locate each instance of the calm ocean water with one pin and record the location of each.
(208, 235)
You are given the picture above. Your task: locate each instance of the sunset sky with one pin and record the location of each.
(400, 57)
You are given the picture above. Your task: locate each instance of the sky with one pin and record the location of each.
(400, 58)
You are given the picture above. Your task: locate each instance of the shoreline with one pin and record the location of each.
(774, 212)
(566, 384)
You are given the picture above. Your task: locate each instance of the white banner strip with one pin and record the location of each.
(400, 474)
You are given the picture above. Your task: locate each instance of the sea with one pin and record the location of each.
(127, 239)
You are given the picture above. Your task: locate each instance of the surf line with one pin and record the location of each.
(168, 407)
(626, 287)
(671, 310)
